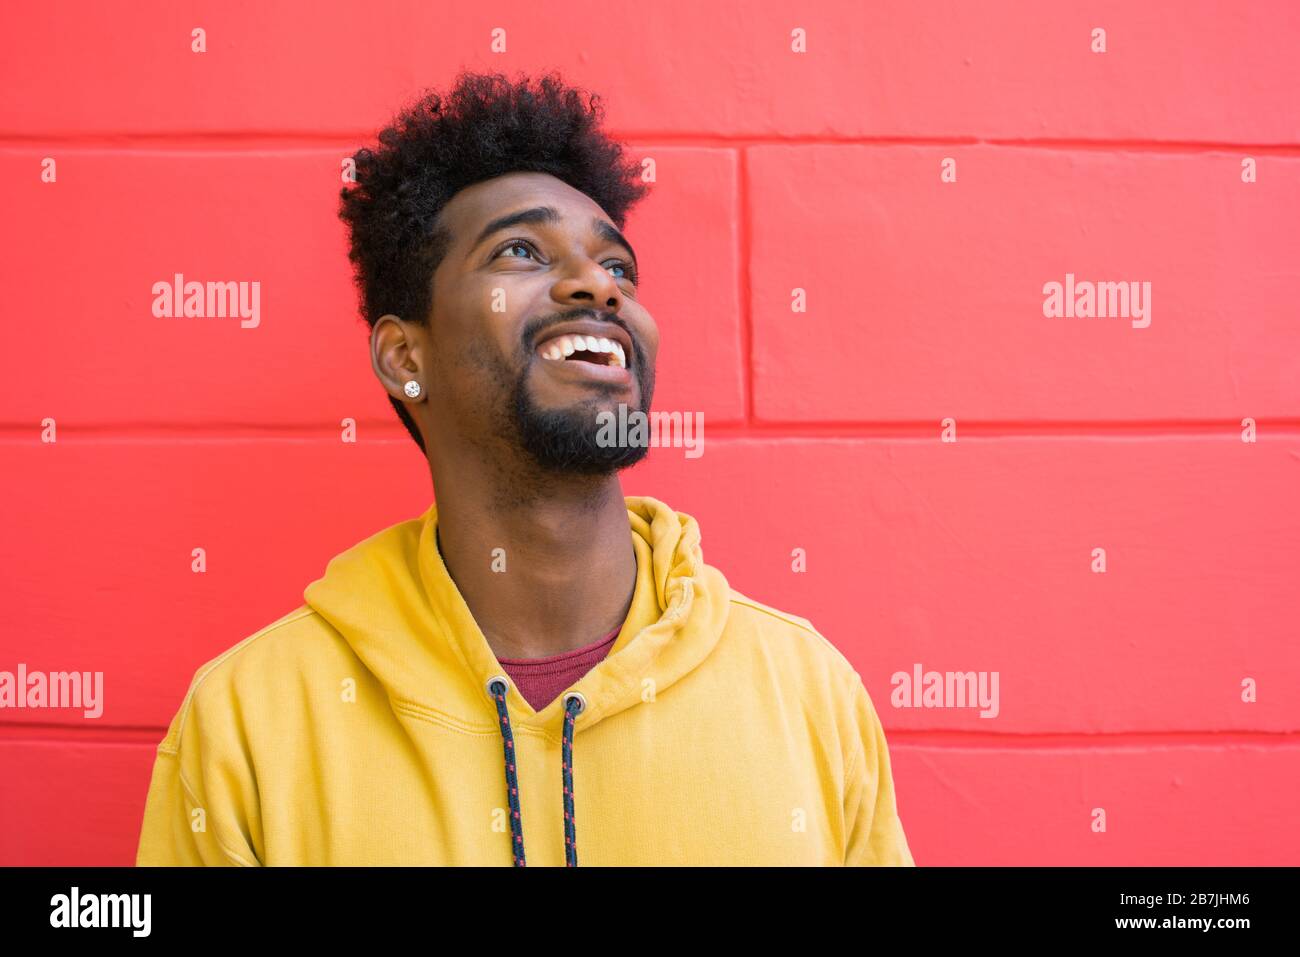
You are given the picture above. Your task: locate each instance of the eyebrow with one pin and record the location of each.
(549, 215)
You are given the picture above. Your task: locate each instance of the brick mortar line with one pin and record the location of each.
(236, 141)
(1268, 430)
(945, 738)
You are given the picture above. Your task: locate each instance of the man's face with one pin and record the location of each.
(516, 308)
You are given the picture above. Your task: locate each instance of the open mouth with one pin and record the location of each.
(593, 349)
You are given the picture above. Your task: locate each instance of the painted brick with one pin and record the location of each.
(208, 218)
(976, 556)
(1166, 806)
(1176, 806)
(925, 299)
(1173, 71)
(967, 556)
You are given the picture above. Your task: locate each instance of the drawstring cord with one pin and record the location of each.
(512, 782)
(574, 705)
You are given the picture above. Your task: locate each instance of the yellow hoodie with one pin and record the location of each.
(359, 730)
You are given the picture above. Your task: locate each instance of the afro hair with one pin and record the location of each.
(486, 126)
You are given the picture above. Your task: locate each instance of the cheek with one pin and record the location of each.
(471, 334)
(508, 341)
(650, 341)
(646, 331)
(492, 314)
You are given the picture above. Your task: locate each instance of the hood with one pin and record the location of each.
(393, 601)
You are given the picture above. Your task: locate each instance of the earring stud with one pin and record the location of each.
(412, 389)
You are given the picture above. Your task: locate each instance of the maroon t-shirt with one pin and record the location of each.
(542, 680)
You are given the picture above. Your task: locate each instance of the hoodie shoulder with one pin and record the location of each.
(284, 637)
(807, 641)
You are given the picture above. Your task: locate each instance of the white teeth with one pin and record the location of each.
(565, 346)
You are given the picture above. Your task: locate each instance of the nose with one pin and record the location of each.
(588, 283)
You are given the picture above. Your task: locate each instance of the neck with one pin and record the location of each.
(542, 573)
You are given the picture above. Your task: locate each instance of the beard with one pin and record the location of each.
(557, 442)
(566, 440)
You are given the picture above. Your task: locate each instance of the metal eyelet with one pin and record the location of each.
(493, 680)
(582, 701)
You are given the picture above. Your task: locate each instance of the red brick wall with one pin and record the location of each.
(776, 170)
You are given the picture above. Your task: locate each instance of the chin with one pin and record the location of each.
(568, 440)
(563, 435)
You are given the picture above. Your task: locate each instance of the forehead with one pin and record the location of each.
(475, 206)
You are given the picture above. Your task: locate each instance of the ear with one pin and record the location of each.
(396, 358)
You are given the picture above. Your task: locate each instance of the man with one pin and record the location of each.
(536, 667)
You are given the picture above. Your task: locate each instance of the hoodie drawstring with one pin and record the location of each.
(574, 704)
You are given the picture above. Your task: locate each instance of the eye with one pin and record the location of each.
(629, 271)
(514, 243)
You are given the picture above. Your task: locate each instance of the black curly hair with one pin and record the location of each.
(486, 126)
